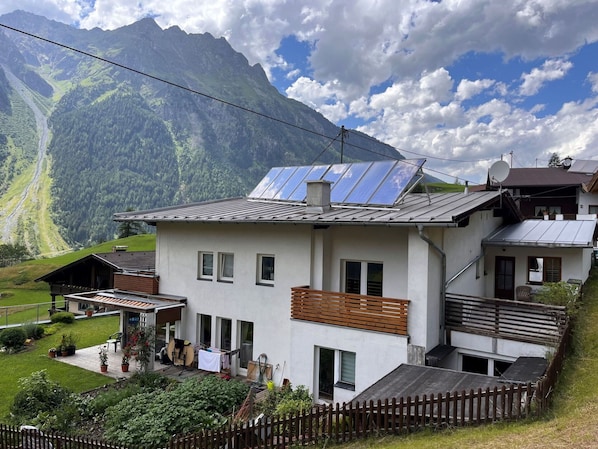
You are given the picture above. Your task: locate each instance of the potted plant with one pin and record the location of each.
(103, 359)
(63, 349)
(52, 353)
(71, 343)
(124, 364)
(89, 311)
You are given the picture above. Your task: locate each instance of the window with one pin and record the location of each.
(593, 210)
(205, 330)
(226, 327)
(550, 210)
(364, 278)
(265, 269)
(246, 353)
(472, 364)
(543, 269)
(347, 367)
(226, 267)
(205, 265)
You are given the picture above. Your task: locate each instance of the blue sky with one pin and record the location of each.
(462, 83)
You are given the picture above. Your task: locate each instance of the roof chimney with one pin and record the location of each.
(318, 196)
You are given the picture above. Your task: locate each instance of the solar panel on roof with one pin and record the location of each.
(380, 183)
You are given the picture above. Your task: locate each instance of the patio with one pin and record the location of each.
(88, 358)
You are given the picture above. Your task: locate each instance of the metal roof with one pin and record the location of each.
(119, 261)
(442, 209)
(545, 176)
(416, 380)
(122, 300)
(584, 166)
(547, 233)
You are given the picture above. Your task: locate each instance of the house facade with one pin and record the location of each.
(334, 295)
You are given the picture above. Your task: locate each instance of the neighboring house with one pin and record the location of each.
(97, 272)
(557, 192)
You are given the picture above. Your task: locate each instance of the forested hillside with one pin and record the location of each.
(211, 129)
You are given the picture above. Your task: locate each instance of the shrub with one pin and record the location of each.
(13, 338)
(37, 394)
(559, 294)
(286, 401)
(33, 330)
(63, 317)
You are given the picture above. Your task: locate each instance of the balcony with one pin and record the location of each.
(371, 313)
(501, 318)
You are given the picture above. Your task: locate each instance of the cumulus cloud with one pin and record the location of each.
(552, 69)
(389, 65)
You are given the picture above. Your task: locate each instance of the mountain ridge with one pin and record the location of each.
(203, 125)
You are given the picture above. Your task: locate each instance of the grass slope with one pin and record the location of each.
(572, 422)
(17, 286)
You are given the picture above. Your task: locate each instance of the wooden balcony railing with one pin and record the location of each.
(343, 309)
(501, 318)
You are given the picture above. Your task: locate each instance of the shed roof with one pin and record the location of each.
(411, 380)
(123, 300)
(118, 260)
(545, 233)
(441, 209)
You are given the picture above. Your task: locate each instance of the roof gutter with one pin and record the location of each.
(443, 284)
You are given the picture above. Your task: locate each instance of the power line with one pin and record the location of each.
(234, 105)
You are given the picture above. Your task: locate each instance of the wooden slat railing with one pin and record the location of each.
(512, 320)
(350, 310)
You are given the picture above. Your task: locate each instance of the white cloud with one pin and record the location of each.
(408, 46)
(468, 89)
(552, 69)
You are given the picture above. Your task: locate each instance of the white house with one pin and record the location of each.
(333, 276)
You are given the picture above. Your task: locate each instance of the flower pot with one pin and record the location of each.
(104, 368)
(89, 313)
(51, 354)
(124, 368)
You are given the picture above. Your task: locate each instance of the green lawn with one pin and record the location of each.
(91, 332)
(18, 287)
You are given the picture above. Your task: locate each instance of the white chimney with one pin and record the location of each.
(318, 196)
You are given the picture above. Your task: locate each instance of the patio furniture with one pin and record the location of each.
(523, 293)
(114, 339)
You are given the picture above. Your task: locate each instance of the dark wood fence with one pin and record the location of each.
(348, 422)
(502, 318)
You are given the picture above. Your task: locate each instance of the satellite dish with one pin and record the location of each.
(499, 171)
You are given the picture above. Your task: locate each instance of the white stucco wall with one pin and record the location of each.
(268, 307)
(575, 263)
(463, 245)
(376, 354)
(585, 200)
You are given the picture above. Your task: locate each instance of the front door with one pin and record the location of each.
(504, 278)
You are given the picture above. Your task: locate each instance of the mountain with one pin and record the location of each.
(157, 117)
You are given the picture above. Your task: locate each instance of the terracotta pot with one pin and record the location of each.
(51, 354)
(89, 312)
(104, 368)
(124, 368)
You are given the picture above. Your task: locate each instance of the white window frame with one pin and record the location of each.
(264, 278)
(200, 266)
(223, 275)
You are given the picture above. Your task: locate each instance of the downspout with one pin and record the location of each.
(420, 230)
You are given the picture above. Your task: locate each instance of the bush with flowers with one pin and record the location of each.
(141, 342)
